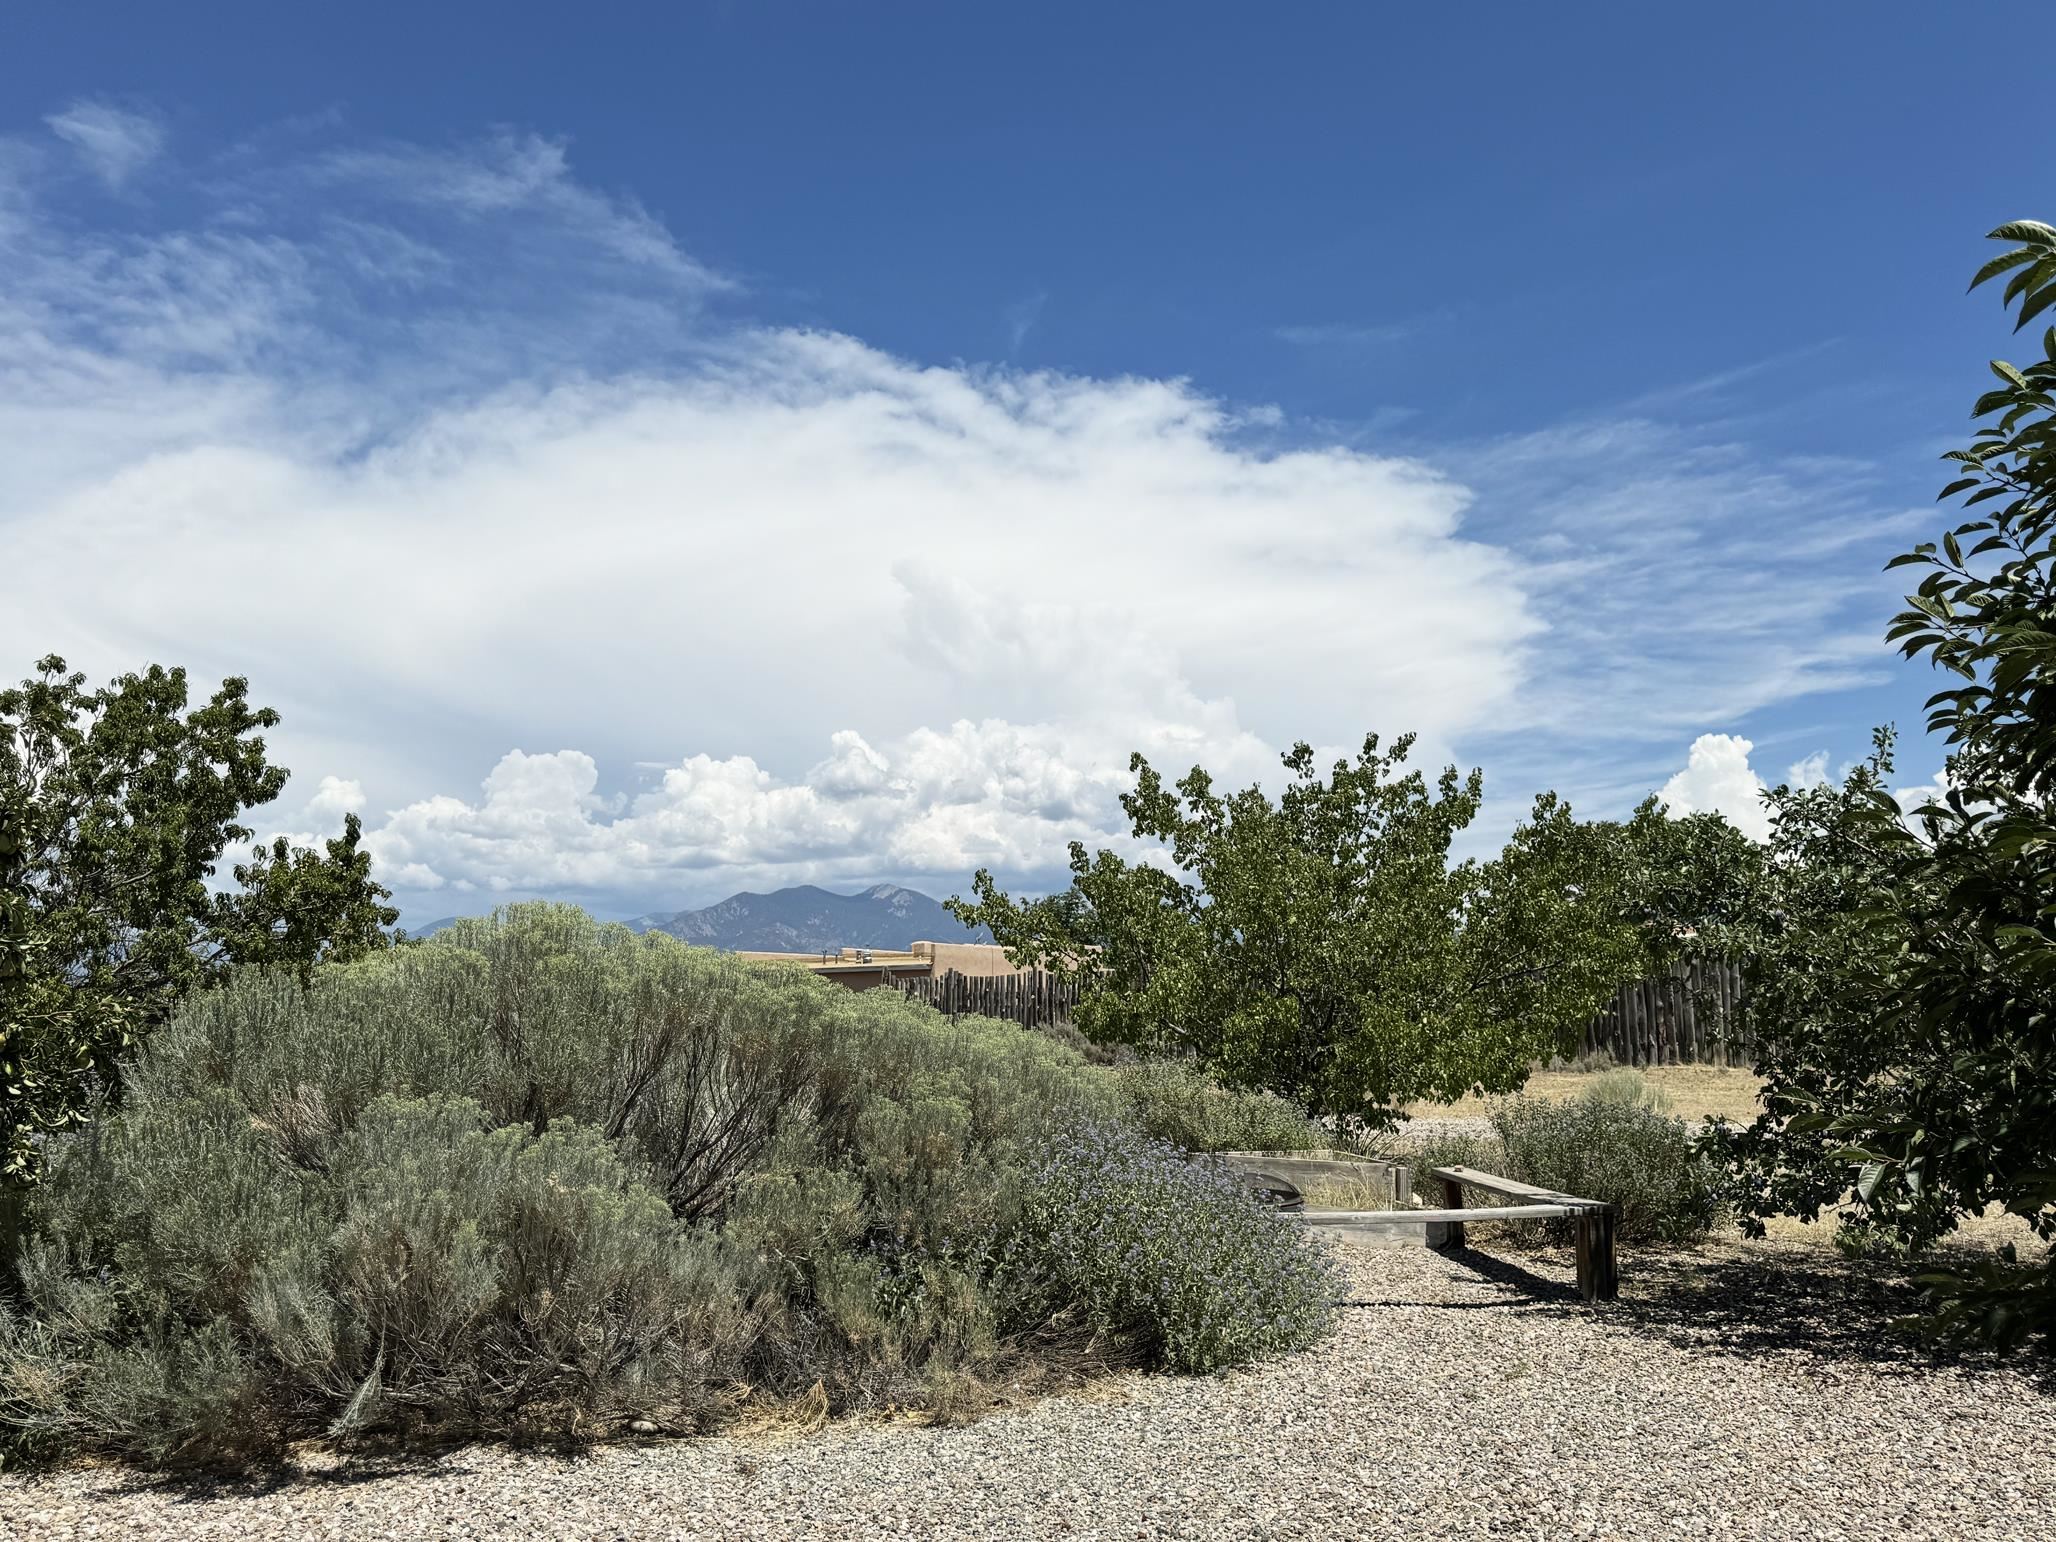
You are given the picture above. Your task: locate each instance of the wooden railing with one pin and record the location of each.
(1598, 1272)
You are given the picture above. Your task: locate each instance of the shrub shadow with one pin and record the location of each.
(200, 1486)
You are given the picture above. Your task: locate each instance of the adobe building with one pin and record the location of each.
(862, 968)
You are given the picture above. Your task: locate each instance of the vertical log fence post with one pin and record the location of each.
(1599, 1276)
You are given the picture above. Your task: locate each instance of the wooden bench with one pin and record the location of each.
(1598, 1273)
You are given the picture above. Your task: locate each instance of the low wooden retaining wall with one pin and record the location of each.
(1313, 1169)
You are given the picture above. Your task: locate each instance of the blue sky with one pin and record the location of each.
(648, 452)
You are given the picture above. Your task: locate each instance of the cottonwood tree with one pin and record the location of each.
(116, 808)
(1323, 944)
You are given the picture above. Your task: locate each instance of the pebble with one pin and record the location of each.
(1738, 1390)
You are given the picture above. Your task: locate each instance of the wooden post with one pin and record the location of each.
(1452, 1232)
(1599, 1277)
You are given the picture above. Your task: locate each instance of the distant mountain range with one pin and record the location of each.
(805, 919)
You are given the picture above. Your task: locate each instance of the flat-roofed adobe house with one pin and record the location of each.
(862, 968)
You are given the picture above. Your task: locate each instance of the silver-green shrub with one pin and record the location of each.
(1613, 1142)
(538, 1177)
(1175, 1101)
(1605, 1147)
(191, 1296)
(1627, 1087)
(1450, 1148)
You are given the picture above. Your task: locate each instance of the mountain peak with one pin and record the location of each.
(809, 919)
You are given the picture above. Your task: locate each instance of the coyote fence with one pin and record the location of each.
(1033, 1000)
(1693, 1014)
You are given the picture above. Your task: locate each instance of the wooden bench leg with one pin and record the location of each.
(1598, 1275)
(1451, 1234)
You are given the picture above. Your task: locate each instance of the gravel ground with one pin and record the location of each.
(1734, 1391)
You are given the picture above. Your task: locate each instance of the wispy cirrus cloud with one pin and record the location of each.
(1339, 334)
(1021, 318)
(510, 174)
(112, 142)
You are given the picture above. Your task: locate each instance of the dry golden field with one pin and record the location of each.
(1696, 1092)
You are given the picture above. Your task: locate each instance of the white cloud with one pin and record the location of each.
(442, 448)
(336, 797)
(1717, 779)
(1934, 790)
(518, 174)
(1021, 317)
(1645, 547)
(1809, 772)
(114, 144)
(933, 803)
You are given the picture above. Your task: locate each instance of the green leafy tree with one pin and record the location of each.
(116, 807)
(1685, 880)
(1819, 956)
(1925, 1069)
(1323, 945)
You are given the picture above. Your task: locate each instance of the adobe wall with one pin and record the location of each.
(967, 958)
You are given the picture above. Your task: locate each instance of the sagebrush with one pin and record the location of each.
(538, 1177)
(1611, 1142)
(1175, 1101)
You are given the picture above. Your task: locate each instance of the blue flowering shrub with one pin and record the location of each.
(1173, 1256)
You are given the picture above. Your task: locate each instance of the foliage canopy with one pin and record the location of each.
(1914, 1041)
(116, 807)
(1323, 945)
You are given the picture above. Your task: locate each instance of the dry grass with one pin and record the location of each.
(1362, 1194)
(1696, 1092)
(1975, 1235)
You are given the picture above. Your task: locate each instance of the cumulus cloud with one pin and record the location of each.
(452, 452)
(1934, 790)
(977, 590)
(335, 797)
(1717, 779)
(935, 802)
(113, 144)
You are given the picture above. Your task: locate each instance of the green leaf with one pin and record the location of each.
(2001, 263)
(2024, 230)
(2035, 304)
